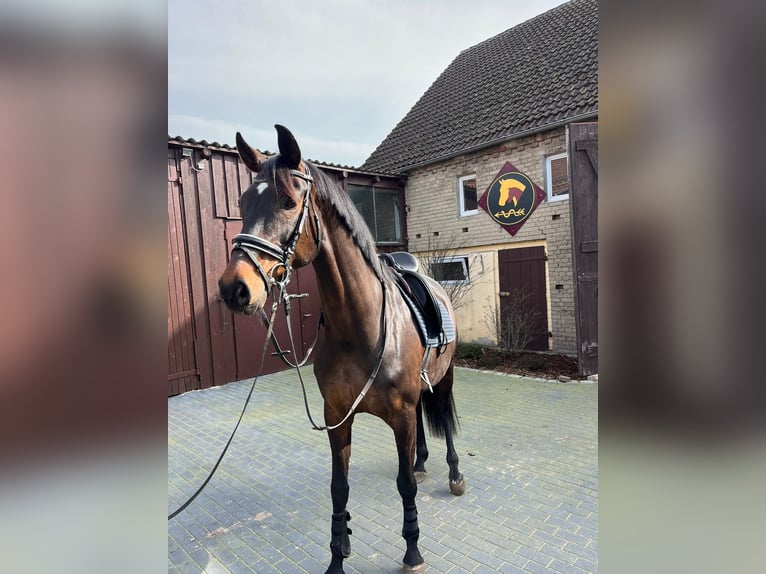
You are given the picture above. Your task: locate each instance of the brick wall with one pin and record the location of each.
(432, 207)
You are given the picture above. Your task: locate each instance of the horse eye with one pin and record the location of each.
(289, 203)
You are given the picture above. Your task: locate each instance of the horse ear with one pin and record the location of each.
(252, 157)
(288, 147)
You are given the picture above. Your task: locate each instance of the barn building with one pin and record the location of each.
(516, 97)
(511, 98)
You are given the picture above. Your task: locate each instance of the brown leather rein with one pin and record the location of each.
(250, 245)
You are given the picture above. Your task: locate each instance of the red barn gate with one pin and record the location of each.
(207, 344)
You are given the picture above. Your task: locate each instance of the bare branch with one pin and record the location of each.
(441, 249)
(513, 322)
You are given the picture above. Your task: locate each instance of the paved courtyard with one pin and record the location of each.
(528, 450)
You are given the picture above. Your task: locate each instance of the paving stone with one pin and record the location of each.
(510, 569)
(536, 568)
(512, 558)
(482, 569)
(586, 565)
(586, 553)
(536, 555)
(567, 568)
(240, 567)
(531, 503)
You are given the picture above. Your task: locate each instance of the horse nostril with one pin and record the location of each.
(241, 294)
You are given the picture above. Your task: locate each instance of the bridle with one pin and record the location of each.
(250, 245)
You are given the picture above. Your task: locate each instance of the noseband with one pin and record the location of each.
(251, 245)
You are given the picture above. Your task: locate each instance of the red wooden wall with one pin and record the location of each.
(207, 344)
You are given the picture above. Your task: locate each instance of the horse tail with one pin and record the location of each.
(439, 408)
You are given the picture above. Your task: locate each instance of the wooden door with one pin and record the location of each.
(523, 295)
(583, 194)
(183, 373)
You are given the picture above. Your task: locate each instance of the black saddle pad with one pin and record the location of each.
(430, 315)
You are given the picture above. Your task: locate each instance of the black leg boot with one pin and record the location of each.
(340, 545)
(411, 533)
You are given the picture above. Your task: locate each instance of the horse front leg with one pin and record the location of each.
(340, 445)
(422, 448)
(405, 432)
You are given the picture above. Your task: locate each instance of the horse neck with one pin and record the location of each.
(349, 289)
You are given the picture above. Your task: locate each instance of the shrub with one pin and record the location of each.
(469, 351)
(531, 361)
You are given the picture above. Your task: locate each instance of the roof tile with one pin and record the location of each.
(540, 72)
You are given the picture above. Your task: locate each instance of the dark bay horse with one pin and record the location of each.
(370, 356)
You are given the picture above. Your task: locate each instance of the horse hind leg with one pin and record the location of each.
(456, 478)
(442, 420)
(421, 450)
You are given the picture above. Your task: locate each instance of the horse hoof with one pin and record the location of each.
(413, 569)
(420, 476)
(457, 488)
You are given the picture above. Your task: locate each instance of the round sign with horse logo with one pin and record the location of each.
(510, 198)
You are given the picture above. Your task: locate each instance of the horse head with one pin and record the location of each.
(510, 188)
(275, 227)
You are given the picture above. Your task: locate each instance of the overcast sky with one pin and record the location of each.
(339, 73)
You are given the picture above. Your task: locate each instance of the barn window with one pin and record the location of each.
(557, 177)
(381, 210)
(466, 191)
(451, 270)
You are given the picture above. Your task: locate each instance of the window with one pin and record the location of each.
(466, 191)
(381, 210)
(451, 270)
(557, 177)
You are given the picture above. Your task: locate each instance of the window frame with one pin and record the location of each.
(398, 224)
(462, 211)
(452, 259)
(549, 177)
(373, 191)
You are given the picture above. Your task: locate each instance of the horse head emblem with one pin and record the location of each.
(510, 189)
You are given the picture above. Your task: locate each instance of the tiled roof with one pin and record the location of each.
(178, 140)
(202, 143)
(538, 73)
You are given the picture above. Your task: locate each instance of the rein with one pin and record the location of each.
(370, 379)
(247, 244)
(250, 245)
(269, 334)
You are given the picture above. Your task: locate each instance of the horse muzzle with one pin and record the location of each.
(238, 297)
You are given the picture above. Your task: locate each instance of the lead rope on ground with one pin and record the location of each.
(241, 415)
(285, 298)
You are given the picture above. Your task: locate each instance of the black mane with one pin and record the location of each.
(329, 192)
